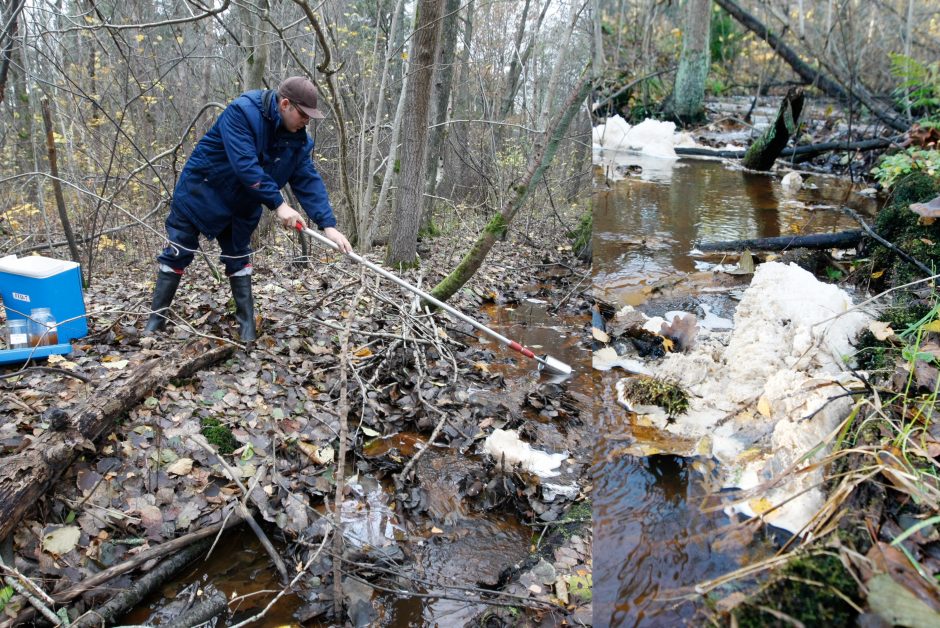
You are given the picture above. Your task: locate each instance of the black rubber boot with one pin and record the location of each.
(163, 293)
(244, 306)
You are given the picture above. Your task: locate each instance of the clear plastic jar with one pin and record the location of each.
(18, 333)
(42, 328)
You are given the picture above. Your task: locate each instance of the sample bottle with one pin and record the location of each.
(42, 328)
(17, 333)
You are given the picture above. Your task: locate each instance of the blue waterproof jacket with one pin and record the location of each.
(242, 163)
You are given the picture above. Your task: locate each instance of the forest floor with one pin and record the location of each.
(463, 533)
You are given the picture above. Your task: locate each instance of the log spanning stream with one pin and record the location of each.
(653, 539)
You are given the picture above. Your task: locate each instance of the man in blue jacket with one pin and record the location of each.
(257, 146)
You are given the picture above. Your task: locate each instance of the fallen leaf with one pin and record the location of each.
(760, 505)
(932, 326)
(368, 431)
(436, 530)
(181, 467)
(600, 335)
(364, 352)
(61, 541)
(763, 406)
(116, 365)
(317, 455)
(877, 274)
(897, 605)
(880, 330)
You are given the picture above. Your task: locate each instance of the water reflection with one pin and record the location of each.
(652, 537)
(644, 230)
(650, 540)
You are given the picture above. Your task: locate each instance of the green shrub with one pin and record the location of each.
(891, 168)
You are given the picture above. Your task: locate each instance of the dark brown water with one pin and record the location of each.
(653, 537)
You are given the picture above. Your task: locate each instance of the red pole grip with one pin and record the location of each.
(523, 350)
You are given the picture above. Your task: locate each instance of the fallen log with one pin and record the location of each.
(25, 476)
(764, 151)
(212, 604)
(124, 601)
(838, 240)
(800, 153)
(807, 73)
(106, 575)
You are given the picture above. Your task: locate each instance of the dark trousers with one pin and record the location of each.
(183, 238)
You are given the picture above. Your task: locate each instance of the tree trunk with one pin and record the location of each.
(366, 213)
(516, 64)
(463, 83)
(540, 158)
(26, 475)
(404, 237)
(56, 184)
(688, 94)
(7, 40)
(445, 82)
(254, 40)
(807, 73)
(764, 151)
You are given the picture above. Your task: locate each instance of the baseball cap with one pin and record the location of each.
(300, 91)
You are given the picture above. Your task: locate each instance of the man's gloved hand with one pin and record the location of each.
(338, 239)
(288, 216)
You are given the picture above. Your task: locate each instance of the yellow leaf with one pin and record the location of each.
(365, 352)
(141, 37)
(760, 505)
(877, 274)
(932, 326)
(763, 406)
(668, 345)
(482, 367)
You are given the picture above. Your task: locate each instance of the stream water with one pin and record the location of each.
(654, 539)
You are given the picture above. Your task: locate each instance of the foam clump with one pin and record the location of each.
(653, 138)
(505, 445)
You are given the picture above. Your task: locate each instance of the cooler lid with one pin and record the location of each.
(35, 266)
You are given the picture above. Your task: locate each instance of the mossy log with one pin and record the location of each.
(25, 476)
(764, 151)
(838, 240)
(540, 158)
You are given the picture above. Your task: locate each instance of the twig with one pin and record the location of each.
(902, 254)
(27, 589)
(243, 509)
(283, 591)
(47, 369)
(344, 366)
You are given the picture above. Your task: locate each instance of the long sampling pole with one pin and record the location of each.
(545, 362)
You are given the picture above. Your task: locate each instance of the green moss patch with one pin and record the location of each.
(219, 436)
(811, 590)
(900, 226)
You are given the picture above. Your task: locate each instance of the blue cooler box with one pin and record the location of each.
(35, 281)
